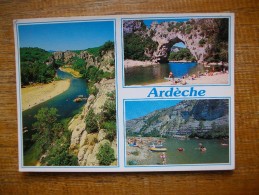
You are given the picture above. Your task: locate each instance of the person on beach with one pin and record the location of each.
(183, 81)
(163, 157)
(171, 77)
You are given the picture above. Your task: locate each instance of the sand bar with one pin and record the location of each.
(134, 63)
(69, 70)
(217, 78)
(36, 94)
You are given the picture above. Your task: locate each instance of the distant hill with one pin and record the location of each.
(201, 118)
(51, 51)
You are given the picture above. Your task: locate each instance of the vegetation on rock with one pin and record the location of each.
(105, 154)
(91, 122)
(135, 45)
(52, 139)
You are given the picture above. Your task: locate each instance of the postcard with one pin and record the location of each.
(127, 93)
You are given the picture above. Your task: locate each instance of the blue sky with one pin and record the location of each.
(66, 36)
(135, 109)
(180, 44)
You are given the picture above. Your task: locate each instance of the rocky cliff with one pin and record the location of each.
(189, 117)
(86, 145)
(105, 62)
(203, 37)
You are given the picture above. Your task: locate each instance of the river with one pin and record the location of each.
(141, 75)
(215, 153)
(63, 102)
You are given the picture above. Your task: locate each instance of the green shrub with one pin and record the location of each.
(93, 90)
(91, 122)
(135, 153)
(110, 129)
(105, 155)
(132, 162)
(202, 42)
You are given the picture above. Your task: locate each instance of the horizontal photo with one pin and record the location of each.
(176, 132)
(68, 98)
(180, 51)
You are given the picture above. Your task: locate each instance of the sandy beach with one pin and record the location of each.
(34, 95)
(217, 78)
(141, 154)
(69, 70)
(134, 63)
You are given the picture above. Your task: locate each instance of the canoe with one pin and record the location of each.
(156, 146)
(158, 149)
(77, 100)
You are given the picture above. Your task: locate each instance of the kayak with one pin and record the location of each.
(158, 149)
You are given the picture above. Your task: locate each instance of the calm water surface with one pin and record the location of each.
(155, 73)
(63, 102)
(216, 153)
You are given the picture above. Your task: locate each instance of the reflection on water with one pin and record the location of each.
(141, 75)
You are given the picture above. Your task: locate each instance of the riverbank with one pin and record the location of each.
(217, 78)
(134, 63)
(36, 94)
(140, 153)
(71, 71)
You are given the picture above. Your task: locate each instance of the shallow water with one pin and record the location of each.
(156, 73)
(215, 153)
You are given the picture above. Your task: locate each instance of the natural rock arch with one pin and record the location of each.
(195, 41)
(206, 38)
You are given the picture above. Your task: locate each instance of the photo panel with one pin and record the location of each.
(66, 93)
(180, 50)
(170, 133)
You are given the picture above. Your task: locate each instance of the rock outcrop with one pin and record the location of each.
(105, 63)
(86, 145)
(198, 35)
(187, 117)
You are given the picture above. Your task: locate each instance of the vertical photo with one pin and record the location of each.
(176, 51)
(66, 72)
(177, 132)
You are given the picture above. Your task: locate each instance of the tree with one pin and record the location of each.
(135, 45)
(52, 139)
(58, 154)
(201, 125)
(36, 66)
(46, 127)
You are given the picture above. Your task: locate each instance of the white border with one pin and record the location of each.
(125, 93)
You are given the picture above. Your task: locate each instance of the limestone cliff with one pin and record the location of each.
(86, 145)
(105, 62)
(196, 117)
(205, 38)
